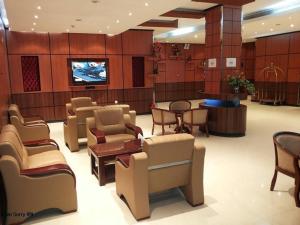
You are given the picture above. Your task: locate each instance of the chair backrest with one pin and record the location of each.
(81, 102)
(84, 112)
(163, 116)
(11, 144)
(169, 160)
(195, 116)
(180, 105)
(14, 110)
(126, 108)
(110, 120)
(287, 146)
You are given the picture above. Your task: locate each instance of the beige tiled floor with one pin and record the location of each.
(237, 176)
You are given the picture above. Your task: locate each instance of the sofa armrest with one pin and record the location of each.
(41, 142)
(137, 130)
(49, 170)
(124, 160)
(99, 135)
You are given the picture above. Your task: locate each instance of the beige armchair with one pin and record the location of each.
(34, 178)
(195, 117)
(75, 125)
(287, 159)
(108, 125)
(166, 162)
(163, 117)
(30, 128)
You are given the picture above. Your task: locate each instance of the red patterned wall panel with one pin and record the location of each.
(30, 73)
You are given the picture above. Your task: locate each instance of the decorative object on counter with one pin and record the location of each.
(238, 81)
(156, 52)
(175, 50)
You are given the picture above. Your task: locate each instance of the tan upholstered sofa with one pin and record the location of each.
(75, 126)
(30, 128)
(108, 125)
(166, 162)
(36, 177)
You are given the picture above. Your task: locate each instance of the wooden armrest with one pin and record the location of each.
(124, 160)
(49, 170)
(99, 135)
(71, 112)
(137, 130)
(41, 142)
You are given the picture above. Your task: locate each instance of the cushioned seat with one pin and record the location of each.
(46, 159)
(108, 125)
(35, 181)
(29, 128)
(166, 162)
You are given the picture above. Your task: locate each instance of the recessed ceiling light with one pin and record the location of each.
(107, 27)
(117, 21)
(255, 32)
(146, 4)
(271, 29)
(39, 7)
(36, 16)
(100, 31)
(67, 30)
(262, 23)
(32, 29)
(110, 35)
(292, 25)
(167, 41)
(130, 14)
(195, 36)
(34, 23)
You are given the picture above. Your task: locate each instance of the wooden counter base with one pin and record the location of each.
(226, 121)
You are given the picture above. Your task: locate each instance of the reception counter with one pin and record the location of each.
(226, 117)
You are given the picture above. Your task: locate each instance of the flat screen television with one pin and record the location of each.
(88, 71)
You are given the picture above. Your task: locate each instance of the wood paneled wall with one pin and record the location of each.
(248, 60)
(53, 51)
(284, 51)
(4, 78)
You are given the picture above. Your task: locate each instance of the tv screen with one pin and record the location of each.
(89, 71)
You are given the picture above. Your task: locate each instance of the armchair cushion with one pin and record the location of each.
(119, 137)
(46, 159)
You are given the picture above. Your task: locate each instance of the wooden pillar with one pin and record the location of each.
(223, 46)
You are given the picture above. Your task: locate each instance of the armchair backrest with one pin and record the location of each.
(180, 105)
(84, 112)
(126, 108)
(169, 160)
(286, 147)
(163, 116)
(81, 102)
(11, 144)
(195, 116)
(110, 120)
(14, 110)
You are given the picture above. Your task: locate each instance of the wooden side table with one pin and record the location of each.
(103, 154)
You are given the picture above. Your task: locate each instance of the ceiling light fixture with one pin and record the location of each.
(32, 29)
(130, 14)
(110, 35)
(36, 16)
(271, 29)
(181, 31)
(146, 4)
(100, 31)
(107, 27)
(34, 23)
(117, 21)
(195, 36)
(263, 23)
(39, 7)
(67, 30)
(292, 25)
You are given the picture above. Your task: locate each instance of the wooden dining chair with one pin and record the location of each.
(163, 117)
(287, 159)
(195, 117)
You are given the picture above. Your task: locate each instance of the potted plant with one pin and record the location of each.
(238, 81)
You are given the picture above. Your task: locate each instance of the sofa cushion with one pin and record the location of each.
(46, 159)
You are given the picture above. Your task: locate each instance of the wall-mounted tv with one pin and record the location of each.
(88, 71)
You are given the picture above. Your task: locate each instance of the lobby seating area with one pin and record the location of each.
(150, 112)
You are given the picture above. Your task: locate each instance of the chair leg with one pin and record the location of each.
(152, 128)
(206, 130)
(163, 130)
(273, 180)
(297, 191)
(191, 129)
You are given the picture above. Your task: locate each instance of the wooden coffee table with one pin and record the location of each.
(103, 155)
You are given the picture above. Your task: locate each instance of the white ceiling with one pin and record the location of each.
(60, 15)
